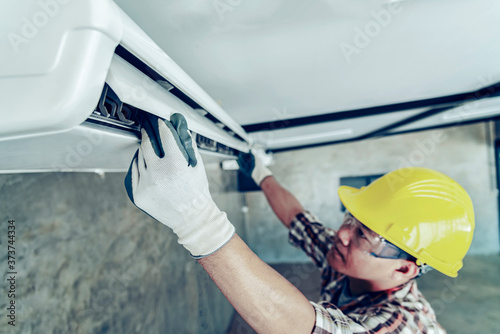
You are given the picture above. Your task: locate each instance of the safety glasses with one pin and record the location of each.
(371, 242)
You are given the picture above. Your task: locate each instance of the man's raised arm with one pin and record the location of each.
(284, 204)
(265, 299)
(167, 180)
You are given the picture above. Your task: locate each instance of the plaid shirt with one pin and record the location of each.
(400, 310)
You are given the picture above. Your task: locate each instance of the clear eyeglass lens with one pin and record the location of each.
(365, 239)
(388, 251)
(369, 241)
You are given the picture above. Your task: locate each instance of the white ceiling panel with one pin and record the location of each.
(315, 57)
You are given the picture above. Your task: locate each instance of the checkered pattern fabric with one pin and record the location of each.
(400, 310)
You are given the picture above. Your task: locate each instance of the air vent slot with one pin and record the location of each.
(111, 112)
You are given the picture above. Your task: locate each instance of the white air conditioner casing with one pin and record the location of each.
(58, 58)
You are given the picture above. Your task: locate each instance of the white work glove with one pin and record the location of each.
(252, 165)
(167, 180)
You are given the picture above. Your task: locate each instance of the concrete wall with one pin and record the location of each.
(464, 153)
(89, 261)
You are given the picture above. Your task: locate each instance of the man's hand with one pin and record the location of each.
(251, 165)
(283, 203)
(167, 180)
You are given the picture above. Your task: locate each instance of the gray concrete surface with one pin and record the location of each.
(464, 153)
(88, 261)
(467, 304)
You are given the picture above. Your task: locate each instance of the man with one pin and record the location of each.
(425, 218)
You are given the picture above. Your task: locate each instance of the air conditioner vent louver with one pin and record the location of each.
(111, 112)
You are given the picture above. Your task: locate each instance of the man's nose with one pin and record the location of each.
(345, 235)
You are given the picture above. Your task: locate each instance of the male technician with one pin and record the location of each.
(394, 230)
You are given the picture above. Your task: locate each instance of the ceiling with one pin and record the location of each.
(298, 73)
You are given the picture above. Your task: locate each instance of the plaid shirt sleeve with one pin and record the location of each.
(308, 234)
(331, 320)
(375, 319)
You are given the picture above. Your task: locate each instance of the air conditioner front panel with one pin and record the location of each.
(33, 32)
(51, 85)
(51, 80)
(62, 98)
(83, 148)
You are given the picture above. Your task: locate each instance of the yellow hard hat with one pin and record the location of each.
(422, 211)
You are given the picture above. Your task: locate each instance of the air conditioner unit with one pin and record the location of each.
(75, 78)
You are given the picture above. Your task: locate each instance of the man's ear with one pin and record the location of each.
(406, 270)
